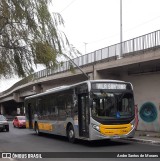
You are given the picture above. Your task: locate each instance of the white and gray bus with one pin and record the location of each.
(90, 110)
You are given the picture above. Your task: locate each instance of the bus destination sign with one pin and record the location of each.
(109, 86)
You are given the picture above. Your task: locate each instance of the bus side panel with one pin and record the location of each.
(57, 127)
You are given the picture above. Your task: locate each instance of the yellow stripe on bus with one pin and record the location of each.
(27, 124)
(41, 126)
(115, 129)
(45, 126)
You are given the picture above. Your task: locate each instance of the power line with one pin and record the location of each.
(142, 24)
(95, 41)
(67, 6)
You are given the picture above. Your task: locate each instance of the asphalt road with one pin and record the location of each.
(24, 140)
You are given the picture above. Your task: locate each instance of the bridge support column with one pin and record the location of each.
(91, 76)
(22, 109)
(2, 111)
(96, 75)
(16, 97)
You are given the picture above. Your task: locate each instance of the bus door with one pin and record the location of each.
(30, 116)
(83, 115)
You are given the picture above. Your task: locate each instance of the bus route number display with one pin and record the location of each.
(109, 86)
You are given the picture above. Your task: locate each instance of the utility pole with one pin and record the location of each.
(121, 36)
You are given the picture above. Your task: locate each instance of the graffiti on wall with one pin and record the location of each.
(148, 112)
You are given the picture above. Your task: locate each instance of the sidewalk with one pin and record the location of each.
(146, 137)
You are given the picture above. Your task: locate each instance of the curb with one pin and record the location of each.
(143, 141)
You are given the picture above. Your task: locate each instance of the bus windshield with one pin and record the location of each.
(112, 105)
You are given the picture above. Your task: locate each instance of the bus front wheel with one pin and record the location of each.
(71, 134)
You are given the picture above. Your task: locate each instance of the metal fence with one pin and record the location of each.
(141, 43)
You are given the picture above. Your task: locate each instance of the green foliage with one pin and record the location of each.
(28, 35)
(45, 53)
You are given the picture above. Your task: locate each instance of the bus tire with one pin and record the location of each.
(37, 129)
(71, 134)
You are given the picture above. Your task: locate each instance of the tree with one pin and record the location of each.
(28, 36)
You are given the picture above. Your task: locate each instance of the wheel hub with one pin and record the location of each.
(71, 133)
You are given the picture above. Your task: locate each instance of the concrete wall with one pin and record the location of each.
(147, 97)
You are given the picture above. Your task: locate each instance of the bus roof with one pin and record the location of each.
(65, 87)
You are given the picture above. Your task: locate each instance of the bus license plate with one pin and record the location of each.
(116, 137)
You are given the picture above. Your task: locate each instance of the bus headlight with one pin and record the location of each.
(96, 127)
(132, 124)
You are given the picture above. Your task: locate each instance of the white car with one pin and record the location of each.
(4, 125)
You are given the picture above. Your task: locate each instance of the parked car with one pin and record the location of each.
(19, 121)
(4, 125)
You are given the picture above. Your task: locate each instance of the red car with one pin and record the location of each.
(19, 121)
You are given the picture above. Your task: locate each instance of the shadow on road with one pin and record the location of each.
(97, 143)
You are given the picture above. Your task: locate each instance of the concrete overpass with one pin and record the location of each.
(139, 65)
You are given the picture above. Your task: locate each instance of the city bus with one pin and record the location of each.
(89, 110)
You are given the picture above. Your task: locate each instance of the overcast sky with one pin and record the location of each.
(95, 24)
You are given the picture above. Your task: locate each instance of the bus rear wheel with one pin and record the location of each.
(71, 134)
